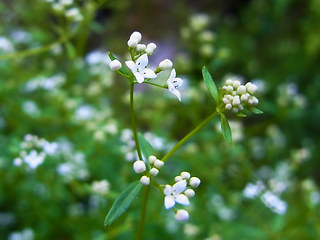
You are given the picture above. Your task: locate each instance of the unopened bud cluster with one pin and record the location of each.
(237, 96)
(134, 43)
(140, 167)
(180, 192)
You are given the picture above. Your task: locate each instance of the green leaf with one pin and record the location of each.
(146, 149)
(225, 127)
(70, 50)
(240, 114)
(123, 70)
(255, 110)
(210, 84)
(123, 202)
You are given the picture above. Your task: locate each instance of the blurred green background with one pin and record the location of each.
(65, 147)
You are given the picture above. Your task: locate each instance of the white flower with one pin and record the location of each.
(139, 69)
(139, 166)
(174, 83)
(165, 64)
(182, 215)
(115, 65)
(74, 14)
(194, 182)
(145, 180)
(174, 194)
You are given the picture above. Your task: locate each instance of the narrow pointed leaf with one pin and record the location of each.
(123, 202)
(146, 149)
(241, 115)
(70, 50)
(255, 110)
(123, 70)
(210, 84)
(225, 128)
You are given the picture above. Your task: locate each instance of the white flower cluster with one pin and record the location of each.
(100, 187)
(179, 193)
(139, 62)
(140, 167)
(65, 6)
(237, 96)
(34, 151)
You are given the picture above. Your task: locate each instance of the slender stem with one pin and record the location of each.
(29, 52)
(157, 85)
(143, 212)
(133, 122)
(189, 135)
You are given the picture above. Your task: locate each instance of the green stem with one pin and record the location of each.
(133, 122)
(34, 51)
(157, 85)
(143, 212)
(190, 134)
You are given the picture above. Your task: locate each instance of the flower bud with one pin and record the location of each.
(158, 164)
(228, 106)
(178, 179)
(189, 193)
(139, 166)
(150, 48)
(141, 47)
(115, 65)
(244, 97)
(182, 215)
(165, 64)
(152, 159)
(132, 42)
(251, 88)
(136, 35)
(154, 172)
(194, 182)
(241, 90)
(145, 180)
(229, 82)
(185, 175)
(236, 100)
(236, 84)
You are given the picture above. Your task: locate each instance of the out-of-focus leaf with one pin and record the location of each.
(70, 50)
(225, 128)
(123, 202)
(256, 110)
(210, 84)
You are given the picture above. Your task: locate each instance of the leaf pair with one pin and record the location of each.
(225, 127)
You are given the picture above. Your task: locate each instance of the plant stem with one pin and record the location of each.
(133, 122)
(189, 135)
(143, 212)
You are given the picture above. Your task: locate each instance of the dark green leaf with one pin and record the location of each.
(225, 127)
(123, 70)
(255, 110)
(123, 202)
(210, 84)
(146, 149)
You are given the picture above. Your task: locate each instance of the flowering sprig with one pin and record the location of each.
(139, 71)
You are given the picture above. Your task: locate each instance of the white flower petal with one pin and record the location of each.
(182, 199)
(148, 73)
(172, 74)
(139, 77)
(168, 190)
(132, 66)
(177, 82)
(179, 187)
(169, 202)
(142, 61)
(175, 92)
